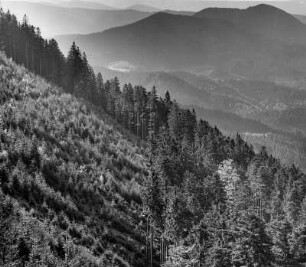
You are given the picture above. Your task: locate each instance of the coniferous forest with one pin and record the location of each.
(98, 173)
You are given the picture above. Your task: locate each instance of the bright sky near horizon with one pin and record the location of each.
(43, 15)
(292, 6)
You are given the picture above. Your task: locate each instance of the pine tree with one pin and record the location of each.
(252, 246)
(230, 178)
(74, 68)
(281, 231)
(298, 242)
(101, 99)
(8, 219)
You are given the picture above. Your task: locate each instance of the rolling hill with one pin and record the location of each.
(163, 41)
(263, 20)
(214, 39)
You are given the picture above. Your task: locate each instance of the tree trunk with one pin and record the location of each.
(151, 246)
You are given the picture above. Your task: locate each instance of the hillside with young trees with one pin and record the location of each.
(98, 173)
(69, 180)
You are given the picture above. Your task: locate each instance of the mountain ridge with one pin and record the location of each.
(262, 19)
(165, 41)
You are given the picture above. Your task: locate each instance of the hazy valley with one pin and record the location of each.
(242, 106)
(216, 68)
(215, 41)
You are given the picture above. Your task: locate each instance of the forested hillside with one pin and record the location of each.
(69, 181)
(23, 43)
(248, 107)
(95, 173)
(210, 200)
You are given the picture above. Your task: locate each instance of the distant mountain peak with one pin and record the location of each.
(266, 20)
(262, 9)
(241, 42)
(257, 8)
(264, 6)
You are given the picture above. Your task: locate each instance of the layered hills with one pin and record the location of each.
(260, 42)
(211, 61)
(54, 20)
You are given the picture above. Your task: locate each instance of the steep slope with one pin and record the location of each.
(261, 42)
(70, 174)
(252, 107)
(54, 20)
(246, 98)
(187, 89)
